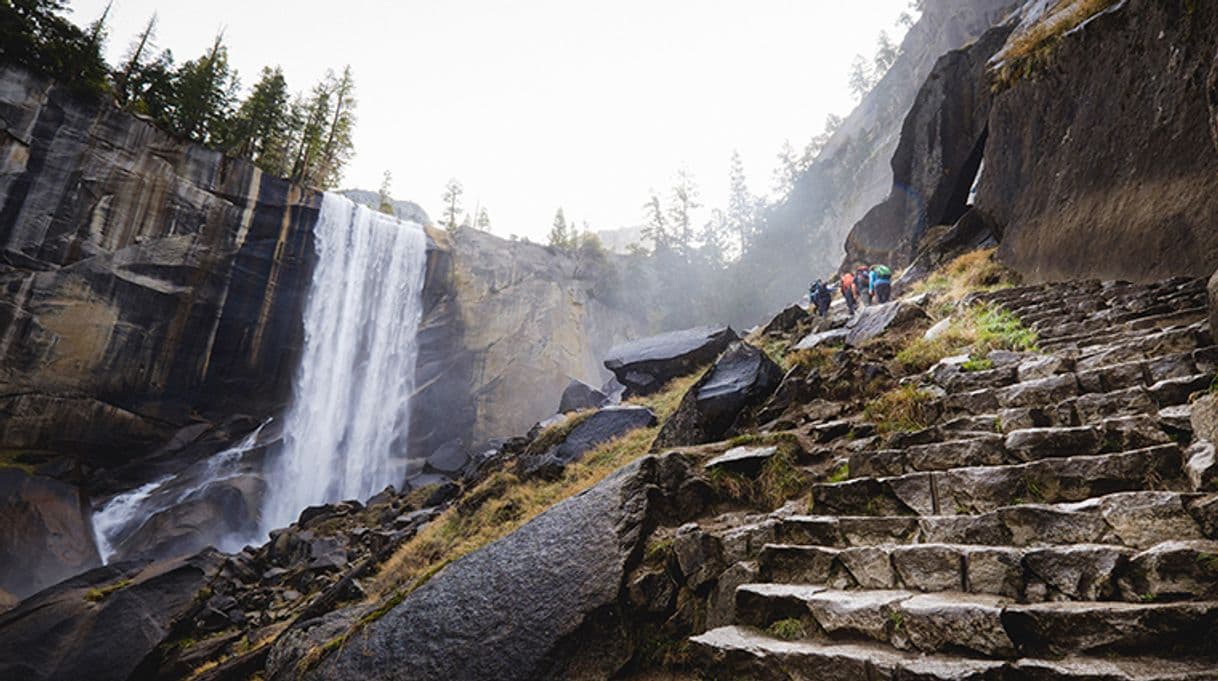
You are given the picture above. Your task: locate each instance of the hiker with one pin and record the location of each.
(848, 292)
(881, 282)
(862, 284)
(821, 295)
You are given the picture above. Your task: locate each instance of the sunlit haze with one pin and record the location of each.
(546, 103)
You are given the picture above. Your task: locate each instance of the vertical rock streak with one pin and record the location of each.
(347, 429)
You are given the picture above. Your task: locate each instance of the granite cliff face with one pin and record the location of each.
(151, 305)
(509, 325)
(1095, 147)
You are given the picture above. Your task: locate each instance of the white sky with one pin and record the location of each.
(544, 103)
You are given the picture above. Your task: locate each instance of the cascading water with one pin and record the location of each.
(346, 432)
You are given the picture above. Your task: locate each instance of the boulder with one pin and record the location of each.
(644, 366)
(450, 459)
(579, 396)
(577, 554)
(607, 424)
(786, 321)
(45, 532)
(818, 338)
(1204, 417)
(104, 624)
(874, 320)
(1201, 466)
(743, 460)
(743, 378)
(937, 160)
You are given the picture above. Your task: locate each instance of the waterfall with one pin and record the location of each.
(345, 435)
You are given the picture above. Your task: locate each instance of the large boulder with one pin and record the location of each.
(875, 320)
(644, 366)
(743, 378)
(542, 603)
(605, 425)
(103, 624)
(937, 160)
(45, 532)
(580, 396)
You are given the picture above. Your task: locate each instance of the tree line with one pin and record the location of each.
(306, 137)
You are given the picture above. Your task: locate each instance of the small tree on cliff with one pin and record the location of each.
(206, 89)
(338, 147)
(560, 232)
(384, 199)
(262, 127)
(484, 220)
(452, 203)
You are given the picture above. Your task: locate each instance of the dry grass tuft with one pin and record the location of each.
(904, 409)
(1031, 48)
(969, 273)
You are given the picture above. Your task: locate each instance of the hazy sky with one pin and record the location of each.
(537, 104)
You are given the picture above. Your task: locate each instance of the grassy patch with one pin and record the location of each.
(98, 594)
(1031, 49)
(25, 460)
(813, 358)
(904, 409)
(789, 629)
(978, 330)
(969, 273)
(840, 474)
(779, 481)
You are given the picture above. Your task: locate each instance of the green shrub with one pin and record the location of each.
(904, 409)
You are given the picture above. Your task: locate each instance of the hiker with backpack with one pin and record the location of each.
(881, 282)
(848, 292)
(862, 284)
(821, 295)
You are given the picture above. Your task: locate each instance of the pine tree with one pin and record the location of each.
(655, 226)
(452, 203)
(338, 147)
(35, 34)
(262, 126)
(787, 171)
(860, 77)
(885, 55)
(741, 205)
(384, 198)
(683, 203)
(484, 220)
(127, 77)
(714, 239)
(310, 115)
(560, 233)
(205, 91)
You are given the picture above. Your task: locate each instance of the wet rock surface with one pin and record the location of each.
(646, 365)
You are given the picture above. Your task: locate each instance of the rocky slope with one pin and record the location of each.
(1049, 514)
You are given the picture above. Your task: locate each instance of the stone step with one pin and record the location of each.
(980, 625)
(1135, 519)
(1151, 342)
(1018, 445)
(980, 489)
(1177, 570)
(746, 654)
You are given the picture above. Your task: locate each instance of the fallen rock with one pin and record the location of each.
(878, 319)
(743, 460)
(644, 366)
(743, 378)
(103, 624)
(786, 321)
(605, 425)
(817, 339)
(580, 396)
(45, 532)
(490, 596)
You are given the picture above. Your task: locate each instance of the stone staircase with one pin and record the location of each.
(1045, 528)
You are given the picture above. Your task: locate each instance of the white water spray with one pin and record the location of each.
(345, 436)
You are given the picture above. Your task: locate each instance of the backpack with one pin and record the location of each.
(882, 271)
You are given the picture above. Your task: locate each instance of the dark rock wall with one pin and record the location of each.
(1100, 161)
(937, 159)
(144, 282)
